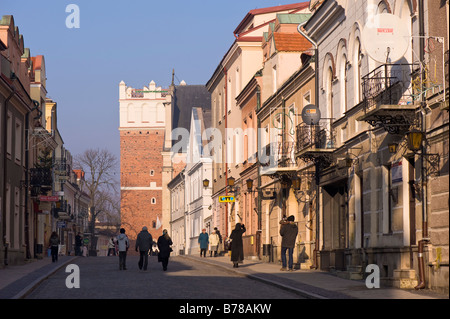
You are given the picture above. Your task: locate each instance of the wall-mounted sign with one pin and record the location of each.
(396, 172)
(226, 199)
(43, 198)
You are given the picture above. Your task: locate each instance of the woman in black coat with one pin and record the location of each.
(237, 247)
(164, 243)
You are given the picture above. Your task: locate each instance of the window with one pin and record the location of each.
(15, 243)
(153, 201)
(9, 133)
(357, 71)
(18, 141)
(274, 78)
(382, 8)
(307, 98)
(329, 92)
(131, 113)
(229, 95)
(152, 172)
(145, 113)
(236, 82)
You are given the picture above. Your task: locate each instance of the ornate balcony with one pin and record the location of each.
(315, 143)
(41, 177)
(279, 160)
(389, 93)
(40, 181)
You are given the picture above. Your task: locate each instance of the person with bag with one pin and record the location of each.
(111, 247)
(78, 244)
(214, 243)
(288, 232)
(220, 248)
(143, 243)
(237, 246)
(164, 243)
(124, 244)
(54, 244)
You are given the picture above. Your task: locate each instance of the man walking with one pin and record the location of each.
(288, 232)
(203, 240)
(144, 242)
(78, 244)
(123, 243)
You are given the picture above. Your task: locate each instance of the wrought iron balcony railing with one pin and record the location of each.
(316, 143)
(389, 84)
(314, 137)
(61, 167)
(41, 177)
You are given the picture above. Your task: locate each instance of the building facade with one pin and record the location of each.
(142, 134)
(238, 66)
(375, 190)
(34, 169)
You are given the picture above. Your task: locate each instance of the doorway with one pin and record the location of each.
(335, 225)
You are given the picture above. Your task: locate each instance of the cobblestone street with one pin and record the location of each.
(100, 278)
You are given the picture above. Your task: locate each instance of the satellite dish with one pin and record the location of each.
(311, 114)
(386, 38)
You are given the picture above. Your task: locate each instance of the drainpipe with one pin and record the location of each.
(226, 160)
(316, 67)
(258, 165)
(27, 153)
(425, 239)
(5, 171)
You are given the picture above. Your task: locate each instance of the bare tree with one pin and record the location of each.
(100, 183)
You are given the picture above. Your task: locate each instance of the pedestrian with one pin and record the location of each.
(164, 243)
(54, 245)
(203, 240)
(237, 246)
(124, 244)
(111, 247)
(288, 232)
(214, 243)
(143, 243)
(85, 251)
(78, 244)
(154, 251)
(219, 249)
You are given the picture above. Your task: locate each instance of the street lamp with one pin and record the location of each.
(230, 181)
(296, 182)
(249, 184)
(415, 139)
(205, 183)
(393, 148)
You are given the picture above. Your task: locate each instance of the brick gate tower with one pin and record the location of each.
(142, 132)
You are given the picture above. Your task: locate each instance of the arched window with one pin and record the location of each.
(342, 77)
(382, 8)
(357, 70)
(131, 116)
(327, 85)
(329, 92)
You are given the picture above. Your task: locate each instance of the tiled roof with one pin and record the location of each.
(291, 42)
(294, 7)
(37, 62)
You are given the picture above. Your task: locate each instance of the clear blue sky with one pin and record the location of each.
(136, 41)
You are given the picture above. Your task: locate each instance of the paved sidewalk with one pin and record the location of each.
(314, 284)
(17, 281)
